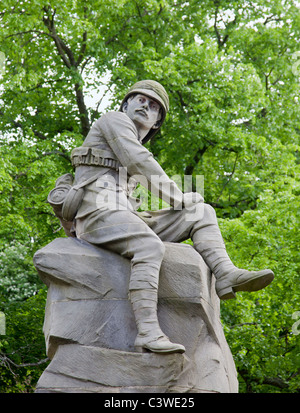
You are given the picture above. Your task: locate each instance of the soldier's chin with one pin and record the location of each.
(141, 122)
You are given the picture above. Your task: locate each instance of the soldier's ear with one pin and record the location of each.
(125, 104)
(157, 125)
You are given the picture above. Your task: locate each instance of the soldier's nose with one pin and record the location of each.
(145, 105)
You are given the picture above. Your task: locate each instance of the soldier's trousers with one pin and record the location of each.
(140, 236)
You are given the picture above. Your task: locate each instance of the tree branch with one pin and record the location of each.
(68, 58)
(276, 382)
(62, 154)
(271, 381)
(18, 124)
(84, 117)
(82, 50)
(243, 324)
(234, 205)
(196, 158)
(29, 31)
(215, 24)
(84, 42)
(230, 177)
(270, 19)
(63, 50)
(5, 360)
(221, 42)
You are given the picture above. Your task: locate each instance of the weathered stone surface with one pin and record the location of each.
(90, 328)
(112, 369)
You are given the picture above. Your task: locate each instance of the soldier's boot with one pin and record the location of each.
(209, 243)
(150, 336)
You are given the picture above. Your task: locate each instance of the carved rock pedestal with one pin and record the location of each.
(90, 329)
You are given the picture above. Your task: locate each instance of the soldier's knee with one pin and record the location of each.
(195, 212)
(208, 209)
(148, 251)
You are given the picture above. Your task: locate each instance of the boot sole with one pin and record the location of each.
(156, 348)
(255, 284)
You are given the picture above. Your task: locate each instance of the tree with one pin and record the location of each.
(230, 70)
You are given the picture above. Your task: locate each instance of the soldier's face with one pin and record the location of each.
(143, 111)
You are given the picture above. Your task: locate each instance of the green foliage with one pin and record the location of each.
(259, 328)
(230, 70)
(22, 301)
(18, 277)
(22, 348)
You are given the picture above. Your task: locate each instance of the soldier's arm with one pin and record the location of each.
(121, 135)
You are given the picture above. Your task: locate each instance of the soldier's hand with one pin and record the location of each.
(192, 198)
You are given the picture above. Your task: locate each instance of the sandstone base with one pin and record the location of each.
(90, 329)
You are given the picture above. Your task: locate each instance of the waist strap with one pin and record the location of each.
(94, 157)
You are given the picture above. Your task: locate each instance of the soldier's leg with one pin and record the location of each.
(200, 224)
(208, 241)
(122, 231)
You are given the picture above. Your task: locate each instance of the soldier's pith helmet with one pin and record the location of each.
(155, 91)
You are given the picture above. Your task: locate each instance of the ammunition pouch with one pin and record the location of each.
(94, 157)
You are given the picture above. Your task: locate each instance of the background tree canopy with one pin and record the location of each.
(232, 70)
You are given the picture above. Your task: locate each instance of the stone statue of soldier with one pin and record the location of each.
(116, 141)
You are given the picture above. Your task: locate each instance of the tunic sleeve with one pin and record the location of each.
(122, 137)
